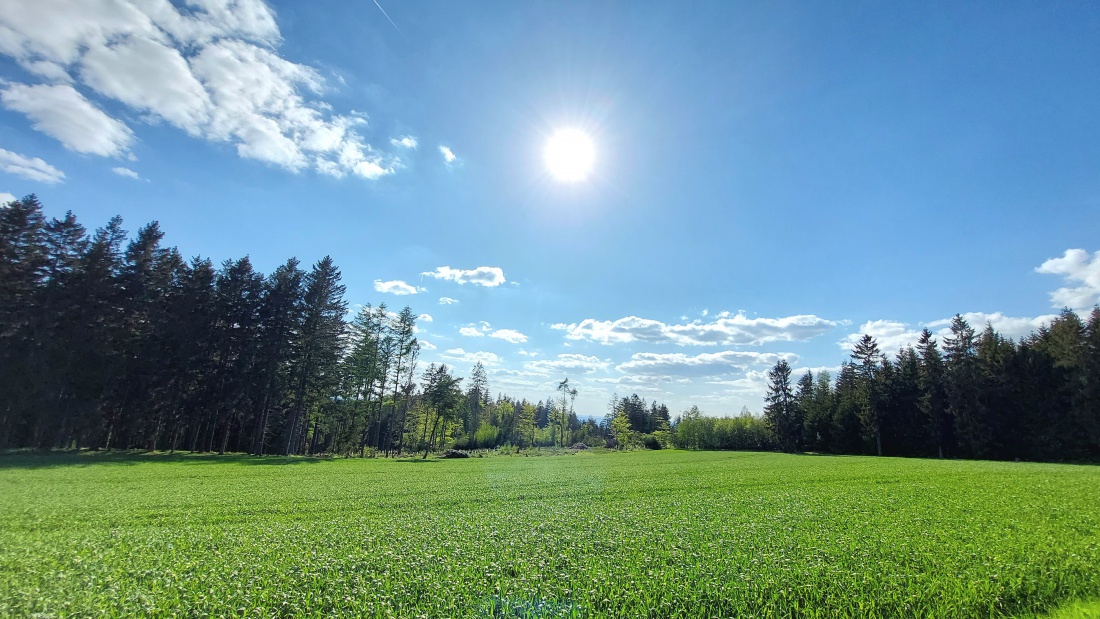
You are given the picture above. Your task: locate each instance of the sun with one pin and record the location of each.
(569, 155)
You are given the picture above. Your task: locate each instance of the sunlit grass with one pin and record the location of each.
(643, 534)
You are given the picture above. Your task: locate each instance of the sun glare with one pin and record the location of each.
(569, 155)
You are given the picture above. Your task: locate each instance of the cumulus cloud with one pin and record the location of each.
(448, 155)
(725, 330)
(483, 328)
(481, 276)
(211, 69)
(405, 141)
(704, 364)
(6, 197)
(1075, 266)
(425, 318)
(509, 335)
(31, 168)
(65, 115)
(447, 301)
(461, 356)
(567, 363)
(426, 345)
(397, 287)
(127, 172)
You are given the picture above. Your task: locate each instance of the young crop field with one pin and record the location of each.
(637, 534)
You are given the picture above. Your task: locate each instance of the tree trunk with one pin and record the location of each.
(225, 437)
(428, 445)
(316, 433)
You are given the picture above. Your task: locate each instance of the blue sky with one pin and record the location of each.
(771, 179)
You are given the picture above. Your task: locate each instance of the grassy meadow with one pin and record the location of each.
(636, 534)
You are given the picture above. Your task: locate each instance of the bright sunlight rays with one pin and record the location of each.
(569, 155)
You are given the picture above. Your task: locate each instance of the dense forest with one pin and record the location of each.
(109, 342)
(113, 344)
(981, 396)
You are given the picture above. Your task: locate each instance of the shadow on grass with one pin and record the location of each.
(31, 459)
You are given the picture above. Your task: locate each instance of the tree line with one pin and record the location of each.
(108, 342)
(981, 396)
(114, 343)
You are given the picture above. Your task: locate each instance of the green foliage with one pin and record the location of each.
(744, 432)
(739, 535)
(624, 437)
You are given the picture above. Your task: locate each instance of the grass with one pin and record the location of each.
(641, 534)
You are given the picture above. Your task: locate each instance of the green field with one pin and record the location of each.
(638, 534)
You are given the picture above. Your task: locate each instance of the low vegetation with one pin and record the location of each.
(609, 534)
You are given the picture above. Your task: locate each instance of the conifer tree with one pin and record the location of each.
(933, 394)
(779, 410)
(868, 360)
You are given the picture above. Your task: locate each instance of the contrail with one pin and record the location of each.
(387, 15)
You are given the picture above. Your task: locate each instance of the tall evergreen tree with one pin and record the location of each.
(933, 394)
(779, 410)
(317, 353)
(961, 383)
(868, 361)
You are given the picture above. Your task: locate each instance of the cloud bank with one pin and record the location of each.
(726, 330)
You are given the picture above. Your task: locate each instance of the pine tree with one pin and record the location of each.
(779, 410)
(850, 399)
(868, 360)
(317, 353)
(933, 395)
(961, 381)
(906, 433)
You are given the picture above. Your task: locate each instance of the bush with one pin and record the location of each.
(650, 442)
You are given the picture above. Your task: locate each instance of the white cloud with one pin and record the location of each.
(448, 155)
(405, 141)
(426, 345)
(31, 168)
(726, 330)
(892, 335)
(1075, 266)
(6, 197)
(396, 286)
(566, 363)
(460, 355)
(210, 68)
(1007, 326)
(704, 364)
(64, 114)
(150, 77)
(127, 172)
(481, 276)
(470, 332)
(447, 301)
(425, 318)
(509, 335)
